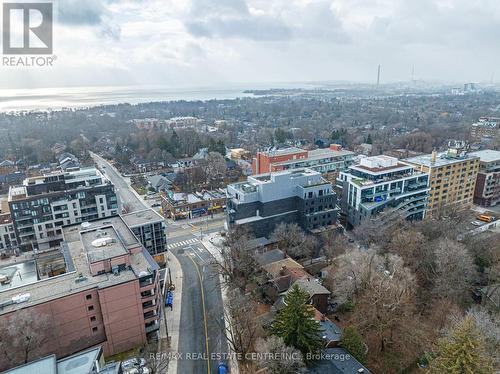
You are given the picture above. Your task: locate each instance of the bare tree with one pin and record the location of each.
(239, 325)
(156, 361)
(279, 358)
(292, 239)
(215, 169)
(24, 336)
(333, 244)
(489, 326)
(454, 270)
(237, 264)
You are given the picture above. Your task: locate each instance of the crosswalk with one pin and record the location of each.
(182, 243)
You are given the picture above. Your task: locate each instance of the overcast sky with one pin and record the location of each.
(216, 42)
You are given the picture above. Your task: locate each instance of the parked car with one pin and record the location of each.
(133, 363)
(476, 223)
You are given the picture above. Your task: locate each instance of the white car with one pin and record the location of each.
(476, 223)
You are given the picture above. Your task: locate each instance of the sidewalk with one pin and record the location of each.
(213, 244)
(174, 316)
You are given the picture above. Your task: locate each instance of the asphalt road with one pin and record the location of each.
(127, 197)
(201, 332)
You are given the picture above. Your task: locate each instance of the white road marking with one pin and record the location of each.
(182, 243)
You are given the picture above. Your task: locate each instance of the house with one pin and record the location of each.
(159, 183)
(337, 361)
(68, 161)
(7, 166)
(330, 332)
(318, 294)
(261, 245)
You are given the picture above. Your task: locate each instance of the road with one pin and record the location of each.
(201, 318)
(123, 189)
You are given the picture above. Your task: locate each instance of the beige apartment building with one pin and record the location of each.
(452, 176)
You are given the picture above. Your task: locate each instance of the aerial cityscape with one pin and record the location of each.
(248, 187)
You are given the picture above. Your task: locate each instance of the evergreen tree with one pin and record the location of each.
(462, 351)
(352, 341)
(296, 325)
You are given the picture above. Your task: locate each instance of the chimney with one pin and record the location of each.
(433, 156)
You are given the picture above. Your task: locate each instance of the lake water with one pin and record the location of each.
(77, 97)
(57, 98)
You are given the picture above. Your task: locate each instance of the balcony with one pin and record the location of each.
(150, 327)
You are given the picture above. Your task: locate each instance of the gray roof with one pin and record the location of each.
(311, 286)
(142, 217)
(441, 160)
(45, 365)
(337, 361)
(269, 257)
(330, 331)
(259, 242)
(80, 363)
(487, 155)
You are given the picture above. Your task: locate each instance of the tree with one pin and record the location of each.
(238, 325)
(24, 336)
(295, 323)
(289, 237)
(352, 341)
(454, 270)
(290, 360)
(237, 265)
(156, 360)
(333, 244)
(215, 169)
(461, 351)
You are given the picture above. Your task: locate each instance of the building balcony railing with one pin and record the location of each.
(152, 327)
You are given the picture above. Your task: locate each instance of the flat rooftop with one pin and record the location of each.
(18, 274)
(487, 155)
(441, 160)
(102, 244)
(78, 277)
(141, 217)
(318, 154)
(283, 151)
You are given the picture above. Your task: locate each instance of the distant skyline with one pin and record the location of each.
(190, 43)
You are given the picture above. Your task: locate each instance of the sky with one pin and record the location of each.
(193, 43)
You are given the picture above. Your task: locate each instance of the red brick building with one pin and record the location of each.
(109, 294)
(323, 160)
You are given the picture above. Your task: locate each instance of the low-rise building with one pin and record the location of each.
(487, 191)
(107, 294)
(42, 205)
(323, 160)
(452, 176)
(299, 196)
(180, 205)
(149, 227)
(89, 361)
(381, 182)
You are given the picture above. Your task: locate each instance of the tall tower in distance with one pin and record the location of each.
(378, 76)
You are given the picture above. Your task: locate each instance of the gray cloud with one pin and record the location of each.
(78, 12)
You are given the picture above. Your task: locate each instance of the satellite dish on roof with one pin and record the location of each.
(102, 242)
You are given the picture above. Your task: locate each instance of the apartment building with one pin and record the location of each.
(485, 129)
(452, 176)
(487, 191)
(381, 182)
(149, 227)
(324, 160)
(42, 205)
(108, 293)
(299, 196)
(8, 239)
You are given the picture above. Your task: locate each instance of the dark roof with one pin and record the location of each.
(330, 331)
(269, 257)
(259, 242)
(337, 361)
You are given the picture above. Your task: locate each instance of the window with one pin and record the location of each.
(90, 308)
(92, 319)
(88, 297)
(94, 329)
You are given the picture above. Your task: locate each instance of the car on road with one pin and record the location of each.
(222, 368)
(476, 223)
(155, 205)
